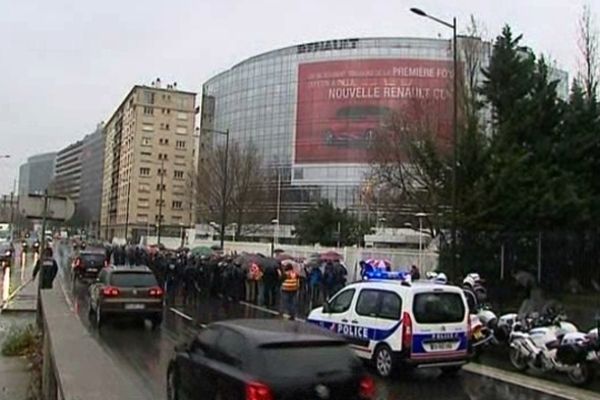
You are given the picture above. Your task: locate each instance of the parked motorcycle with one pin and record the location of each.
(36, 247)
(535, 343)
(24, 246)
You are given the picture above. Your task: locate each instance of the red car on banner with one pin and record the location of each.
(343, 105)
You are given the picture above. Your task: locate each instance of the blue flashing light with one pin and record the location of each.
(386, 275)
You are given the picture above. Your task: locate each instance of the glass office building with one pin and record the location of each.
(311, 110)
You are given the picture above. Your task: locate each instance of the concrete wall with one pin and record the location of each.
(75, 367)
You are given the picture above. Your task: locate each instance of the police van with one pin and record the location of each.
(396, 323)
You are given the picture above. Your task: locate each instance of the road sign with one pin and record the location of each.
(59, 208)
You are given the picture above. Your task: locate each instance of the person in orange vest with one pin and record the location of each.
(289, 291)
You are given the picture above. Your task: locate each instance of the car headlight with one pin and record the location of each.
(7, 253)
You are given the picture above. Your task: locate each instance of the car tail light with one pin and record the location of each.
(78, 263)
(367, 387)
(407, 332)
(258, 391)
(156, 292)
(110, 291)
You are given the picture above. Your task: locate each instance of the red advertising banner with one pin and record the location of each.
(342, 104)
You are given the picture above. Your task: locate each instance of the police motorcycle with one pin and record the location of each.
(483, 319)
(536, 341)
(36, 247)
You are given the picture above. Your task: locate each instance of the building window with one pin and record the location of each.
(182, 130)
(162, 171)
(145, 153)
(144, 171)
(147, 127)
(142, 217)
(148, 97)
(148, 111)
(180, 144)
(162, 156)
(144, 188)
(146, 141)
(177, 204)
(178, 175)
(182, 116)
(164, 187)
(163, 141)
(164, 127)
(158, 202)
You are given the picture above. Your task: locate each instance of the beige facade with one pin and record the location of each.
(150, 133)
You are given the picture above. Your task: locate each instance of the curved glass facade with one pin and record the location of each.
(311, 109)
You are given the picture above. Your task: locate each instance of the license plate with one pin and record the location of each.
(134, 306)
(441, 346)
(92, 269)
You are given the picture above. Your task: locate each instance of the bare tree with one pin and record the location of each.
(589, 67)
(245, 185)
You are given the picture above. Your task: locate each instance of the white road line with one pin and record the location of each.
(181, 314)
(265, 309)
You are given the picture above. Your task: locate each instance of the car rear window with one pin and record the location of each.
(96, 258)
(292, 360)
(132, 279)
(438, 308)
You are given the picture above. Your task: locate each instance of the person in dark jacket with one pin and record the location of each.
(48, 267)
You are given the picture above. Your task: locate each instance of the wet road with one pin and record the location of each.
(144, 354)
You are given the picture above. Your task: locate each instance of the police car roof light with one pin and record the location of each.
(389, 275)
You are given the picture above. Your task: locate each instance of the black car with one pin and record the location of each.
(266, 359)
(87, 265)
(6, 254)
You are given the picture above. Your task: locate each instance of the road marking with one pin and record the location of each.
(181, 314)
(265, 309)
(531, 383)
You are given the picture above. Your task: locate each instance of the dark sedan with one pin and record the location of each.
(87, 265)
(268, 359)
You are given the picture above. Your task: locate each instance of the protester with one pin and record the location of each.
(289, 291)
(414, 273)
(48, 267)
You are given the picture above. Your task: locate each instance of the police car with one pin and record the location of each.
(397, 323)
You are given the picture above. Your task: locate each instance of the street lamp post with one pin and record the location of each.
(420, 216)
(452, 26)
(224, 190)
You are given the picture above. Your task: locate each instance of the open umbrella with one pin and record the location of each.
(202, 251)
(379, 264)
(283, 256)
(330, 256)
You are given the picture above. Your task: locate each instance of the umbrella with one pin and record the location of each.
(202, 251)
(330, 256)
(379, 264)
(283, 257)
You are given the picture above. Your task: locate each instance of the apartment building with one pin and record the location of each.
(67, 172)
(149, 154)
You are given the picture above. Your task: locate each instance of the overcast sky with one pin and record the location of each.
(66, 65)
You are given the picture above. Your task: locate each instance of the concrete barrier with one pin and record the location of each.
(75, 367)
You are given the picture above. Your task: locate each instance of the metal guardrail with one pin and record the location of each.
(75, 367)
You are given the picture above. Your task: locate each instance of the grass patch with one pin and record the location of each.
(20, 341)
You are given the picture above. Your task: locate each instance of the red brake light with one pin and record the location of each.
(110, 291)
(156, 292)
(258, 391)
(367, 387)
(78, 263)
(406, 332)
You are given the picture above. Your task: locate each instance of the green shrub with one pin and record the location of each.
(20, 341)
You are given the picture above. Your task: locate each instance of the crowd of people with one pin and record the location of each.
(280, 281)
